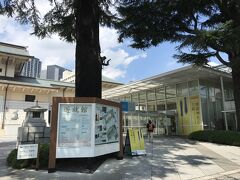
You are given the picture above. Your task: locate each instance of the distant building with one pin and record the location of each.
(32, 68)
(55, 72)
(43, 74)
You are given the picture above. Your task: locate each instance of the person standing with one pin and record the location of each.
(150, 130)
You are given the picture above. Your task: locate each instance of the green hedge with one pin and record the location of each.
(217, 136)
(29, 163)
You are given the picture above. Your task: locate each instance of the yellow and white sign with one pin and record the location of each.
(136, 141)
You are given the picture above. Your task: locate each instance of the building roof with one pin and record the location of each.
(14, 50)
(187, 73)
(37, 82)
(106, 79)
(71, 75)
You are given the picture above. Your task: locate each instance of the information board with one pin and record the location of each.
(74, 125)
(106, 124)
(27, 151)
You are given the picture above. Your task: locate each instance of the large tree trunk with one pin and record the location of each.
(88, 67)
(236, 88)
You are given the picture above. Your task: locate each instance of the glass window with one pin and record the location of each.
(135, 98)
(30, 98)
(218, 93)
(171, 104)
(182, 89)
(151, 106)
(161, 106)
(170, 91)
(135, 120)
(160, 93)
(193, 88)
(211, 91)
(127, 98)
(203, 91)
(142, 96)
(228, 94)
(151, 95)
(36, 115)
(228, 91)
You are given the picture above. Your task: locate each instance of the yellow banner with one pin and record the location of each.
(136, 141)
(189, 115)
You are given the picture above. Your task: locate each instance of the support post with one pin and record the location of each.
(223, 99)
(120, 153)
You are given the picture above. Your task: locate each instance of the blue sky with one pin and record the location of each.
(127, 64)
(158, 60)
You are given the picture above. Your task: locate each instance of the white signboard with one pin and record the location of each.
(106, 124)
(74, 125)
(27, 151)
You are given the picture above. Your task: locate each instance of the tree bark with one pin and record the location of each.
(88, 67)
(236, 89)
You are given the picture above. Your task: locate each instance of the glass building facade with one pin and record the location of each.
(190, 105)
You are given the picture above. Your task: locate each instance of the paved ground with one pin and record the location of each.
(167, 158)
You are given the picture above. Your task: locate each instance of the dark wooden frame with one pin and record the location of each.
(53, 133)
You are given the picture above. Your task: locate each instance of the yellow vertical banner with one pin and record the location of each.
(183, 115)
(189, 115)
(195, 113)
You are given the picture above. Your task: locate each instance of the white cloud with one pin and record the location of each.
(132, 58)
(120, 60)
(49, 50)
(212, 64)
(55, 51)
(108, 38)
(113, 72)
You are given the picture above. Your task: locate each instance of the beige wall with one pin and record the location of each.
(10, 69)
(15, 104)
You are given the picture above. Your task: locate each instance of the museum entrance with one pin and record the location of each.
(165, 122)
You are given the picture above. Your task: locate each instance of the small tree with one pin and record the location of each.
(74, 21)
(208, 27)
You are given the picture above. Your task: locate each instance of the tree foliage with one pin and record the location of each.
(60, 19)
(206, 27)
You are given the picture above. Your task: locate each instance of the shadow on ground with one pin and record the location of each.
(82, 165)
(166, 157)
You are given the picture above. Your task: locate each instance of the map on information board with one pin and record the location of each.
(74, 125)
(106, 124)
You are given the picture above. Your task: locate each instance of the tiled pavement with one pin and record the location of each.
(167, 158)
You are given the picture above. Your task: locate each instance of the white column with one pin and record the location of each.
(223, 99)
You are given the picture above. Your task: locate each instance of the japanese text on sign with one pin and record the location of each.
(27, 151)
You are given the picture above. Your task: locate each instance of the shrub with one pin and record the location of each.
(43, 155)
(217, 136)
(29, 163)
(17, 164)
